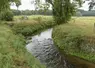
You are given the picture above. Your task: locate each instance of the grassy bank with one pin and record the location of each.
(33, 25)
(77, 38)
(13, 53)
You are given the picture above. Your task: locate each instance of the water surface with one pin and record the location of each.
(42, 47)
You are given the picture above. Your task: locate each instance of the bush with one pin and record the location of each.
(6, 15)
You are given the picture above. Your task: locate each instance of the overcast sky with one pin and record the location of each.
(26, 4)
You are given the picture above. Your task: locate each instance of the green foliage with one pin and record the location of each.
(18, 3)
(13, 53)
(5, 4)
(16, 12)
(31, 12)
(62, 9)
(6, 15)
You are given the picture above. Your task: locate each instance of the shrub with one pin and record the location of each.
(6, 15)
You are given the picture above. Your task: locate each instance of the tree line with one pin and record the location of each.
(86, 13)
(31, 12)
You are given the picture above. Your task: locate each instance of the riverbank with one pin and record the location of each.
(76, 38)
(33, 26)
(12, 40)
(13, 53)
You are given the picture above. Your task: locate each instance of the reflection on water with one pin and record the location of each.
(78, 62)
(42, 48)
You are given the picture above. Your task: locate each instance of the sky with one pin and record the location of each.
(26, 5)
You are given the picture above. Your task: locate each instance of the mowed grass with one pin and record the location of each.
(13, 53)
(77, 38)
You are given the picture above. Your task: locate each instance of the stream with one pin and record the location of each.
(42, 47)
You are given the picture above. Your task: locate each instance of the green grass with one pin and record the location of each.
(33, 17)
(13, 53)
(77, 38)
(34, 25)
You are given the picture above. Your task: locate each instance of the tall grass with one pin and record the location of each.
(34, 25)
(76, 38)
(13, 53)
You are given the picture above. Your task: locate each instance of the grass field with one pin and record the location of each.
(77, 37)
(33, 17)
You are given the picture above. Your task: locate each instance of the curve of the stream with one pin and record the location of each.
(42, 47)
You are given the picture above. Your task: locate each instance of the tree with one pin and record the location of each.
(91, 4)
(18, 3)
(5, 12)
(62, 9)
(6, 15)
(5, 4)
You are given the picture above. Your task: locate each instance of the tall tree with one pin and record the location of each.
(5, 4)
(18, 3)
(91, 4)
(5, 12)
(62, 9)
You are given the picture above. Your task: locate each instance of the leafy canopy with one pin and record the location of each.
(5, 12)
(5, 4)
(62, 9)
